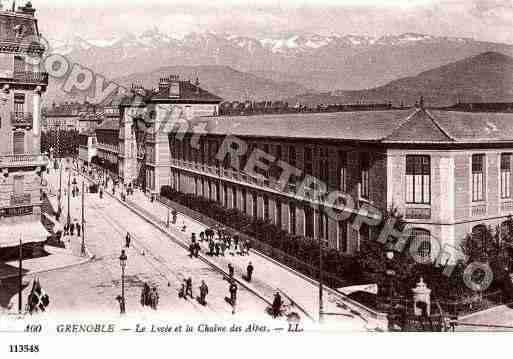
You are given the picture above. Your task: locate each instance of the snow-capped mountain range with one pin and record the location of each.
(291, 44)
(311, 62)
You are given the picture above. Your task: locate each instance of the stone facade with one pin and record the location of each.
(21, 164)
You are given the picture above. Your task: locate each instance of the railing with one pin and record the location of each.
(478, 210)
(417, 213)
(31, 77)
(21, 118)
(20, 199)
(25, 159)
(507, 206)
(289, 188)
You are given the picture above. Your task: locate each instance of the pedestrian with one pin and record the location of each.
(197, 249)
(192, 248)
(233, 295)
(79, 228)
(248, 246)
(211, 247)
(249, 272)
(154, 298)
(236, 242)
(277, 303)
(128, 239)
(217, 247)
(202, 236)
(231, 270)
(193, 237)
(203, 293)
(145, 293)
(72, 229)
(181, 291)
(188, 287)
(223, 247)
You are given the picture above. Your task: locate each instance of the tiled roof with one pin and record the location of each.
(363, 125)
(394, 126)
(109, 124)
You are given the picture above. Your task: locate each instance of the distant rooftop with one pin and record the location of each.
(172, 89)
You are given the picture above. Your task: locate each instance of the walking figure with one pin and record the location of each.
(79, 228)
(231, 270)
(181, 291)
(72, 229)
(188, 287)
(249, 272)
(154, 298)
(203, 293)
(233, 295)
(276, 307)
(197, 249)
(128, 239)
(192, 248)
(145, 295)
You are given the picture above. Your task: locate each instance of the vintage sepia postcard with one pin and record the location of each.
(172, 170)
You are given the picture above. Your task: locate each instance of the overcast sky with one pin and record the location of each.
(490, 20)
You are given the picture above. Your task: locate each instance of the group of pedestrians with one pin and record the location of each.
(185, 291)
(150, 296)
(72, 227)
(223, 242)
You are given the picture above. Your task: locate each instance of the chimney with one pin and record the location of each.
(174, 86)
(197, 83)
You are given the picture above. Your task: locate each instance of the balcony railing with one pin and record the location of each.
(23, 160)
(23, 119)
(20, 199)
(417, 213)
(31, 77)
(478, 210)
(290, 189)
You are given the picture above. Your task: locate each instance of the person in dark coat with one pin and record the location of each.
(218, 248)
(72, 229)
(277, 303)
(128, 239)
(249, 272)
(197, 249)
(211, 247)
(79, 228)
(188, 287)
(192, 248)
(231, 270)
(203, 293)
(233, 295)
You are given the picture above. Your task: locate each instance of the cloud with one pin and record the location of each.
(489, 20)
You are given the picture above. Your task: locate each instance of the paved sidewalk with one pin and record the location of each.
(268, 275)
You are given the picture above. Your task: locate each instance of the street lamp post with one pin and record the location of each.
(60, 186)
(122, 261)
(69, 190)
(83, 251)
(320, 281)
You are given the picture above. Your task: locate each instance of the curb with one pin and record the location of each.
(182, 244)
(369, 312)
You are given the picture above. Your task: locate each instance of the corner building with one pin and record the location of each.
(21, 164)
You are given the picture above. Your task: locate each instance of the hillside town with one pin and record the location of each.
(365, 210)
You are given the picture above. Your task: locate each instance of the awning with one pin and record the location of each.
(29, 232)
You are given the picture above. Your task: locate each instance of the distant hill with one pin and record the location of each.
(487, 77)
(222, 81)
